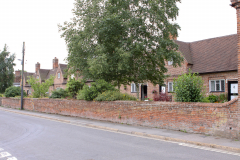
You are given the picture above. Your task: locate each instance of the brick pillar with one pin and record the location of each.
(236, 118)
(17, 73)
(236, 5)
(37, 67)
(55, 63)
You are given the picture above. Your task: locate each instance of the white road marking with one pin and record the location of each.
(209, 149)
(4, 154)
(12, 158)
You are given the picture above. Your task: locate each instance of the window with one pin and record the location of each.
(58, 75)
(72, 76)
(217, 85)
(133, 87)
(170, 63)
(37, 77)
(170, 86)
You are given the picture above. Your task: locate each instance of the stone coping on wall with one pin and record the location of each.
(141, 103)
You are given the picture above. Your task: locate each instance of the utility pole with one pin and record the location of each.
(23, 52)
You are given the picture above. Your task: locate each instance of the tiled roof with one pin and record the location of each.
(43, 74)
(185, 49)
(63, 67)
(27, 75)
(51, 72)
(211, 55)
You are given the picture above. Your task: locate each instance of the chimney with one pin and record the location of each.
(55, 63)
(17, 73)
(236, 5)
(37, 67)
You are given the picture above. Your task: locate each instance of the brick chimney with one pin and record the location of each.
(37, 67)
(17, 73)
(55, 63)
(236, 5)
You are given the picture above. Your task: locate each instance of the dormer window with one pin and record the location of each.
(58, 75)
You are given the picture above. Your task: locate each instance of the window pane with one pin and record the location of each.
(217, 85)
(132, 87)
(170, 87)
(222, 85)
(212, 85)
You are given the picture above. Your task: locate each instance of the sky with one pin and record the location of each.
(35, 22)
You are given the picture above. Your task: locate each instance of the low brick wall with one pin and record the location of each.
(214, 119)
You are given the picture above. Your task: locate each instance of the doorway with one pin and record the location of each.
(232, 90)
(143, 92)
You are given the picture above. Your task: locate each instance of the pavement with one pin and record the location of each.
(163, 134)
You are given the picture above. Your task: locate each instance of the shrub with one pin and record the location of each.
(59, 93)
(73, 86)
(213, 98)
(162, 97)
(97, 88)
(188, 88)
(1, 95)
(14, 91)
(223, 97)
(205, 100)
(114, 96)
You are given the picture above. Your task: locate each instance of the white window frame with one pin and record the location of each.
(169, 87)
(59, 75)
(134, 87)
(215, 85)
(170, 63)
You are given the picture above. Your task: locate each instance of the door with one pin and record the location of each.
(143, 92)
(162, 88)
(232, 90)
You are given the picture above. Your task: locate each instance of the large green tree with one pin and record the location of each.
(6, 69)
(122, 41)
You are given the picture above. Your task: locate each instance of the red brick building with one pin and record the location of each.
(58, 71)
(214, 59)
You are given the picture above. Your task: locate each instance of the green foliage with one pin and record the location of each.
(113, 96)
(14, 92)
(73, 86)
(223, 97)
(59, 93)
(97, 88)
(6, 69)
(1, 95)
(40, 89)
(205, 100)
(188, 88)
(122, 41)
(213, 98)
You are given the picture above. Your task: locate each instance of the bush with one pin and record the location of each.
(223, 98)
(97, 88)
(205, 100)
(1, 95)
(59, 93)
(213, 98)
(73, 86)
(14, 91)
(188, 88)
(114, 96)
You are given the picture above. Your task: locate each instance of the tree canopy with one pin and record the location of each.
(122, 41)
(6, 69)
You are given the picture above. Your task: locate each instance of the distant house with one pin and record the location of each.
(42, 75)
(214, 59)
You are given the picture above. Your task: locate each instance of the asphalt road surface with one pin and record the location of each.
(29, 138)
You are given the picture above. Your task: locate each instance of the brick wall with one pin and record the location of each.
(214, 119)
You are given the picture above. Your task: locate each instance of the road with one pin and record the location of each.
(24, 137)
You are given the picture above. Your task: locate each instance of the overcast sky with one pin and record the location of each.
(35, 22)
